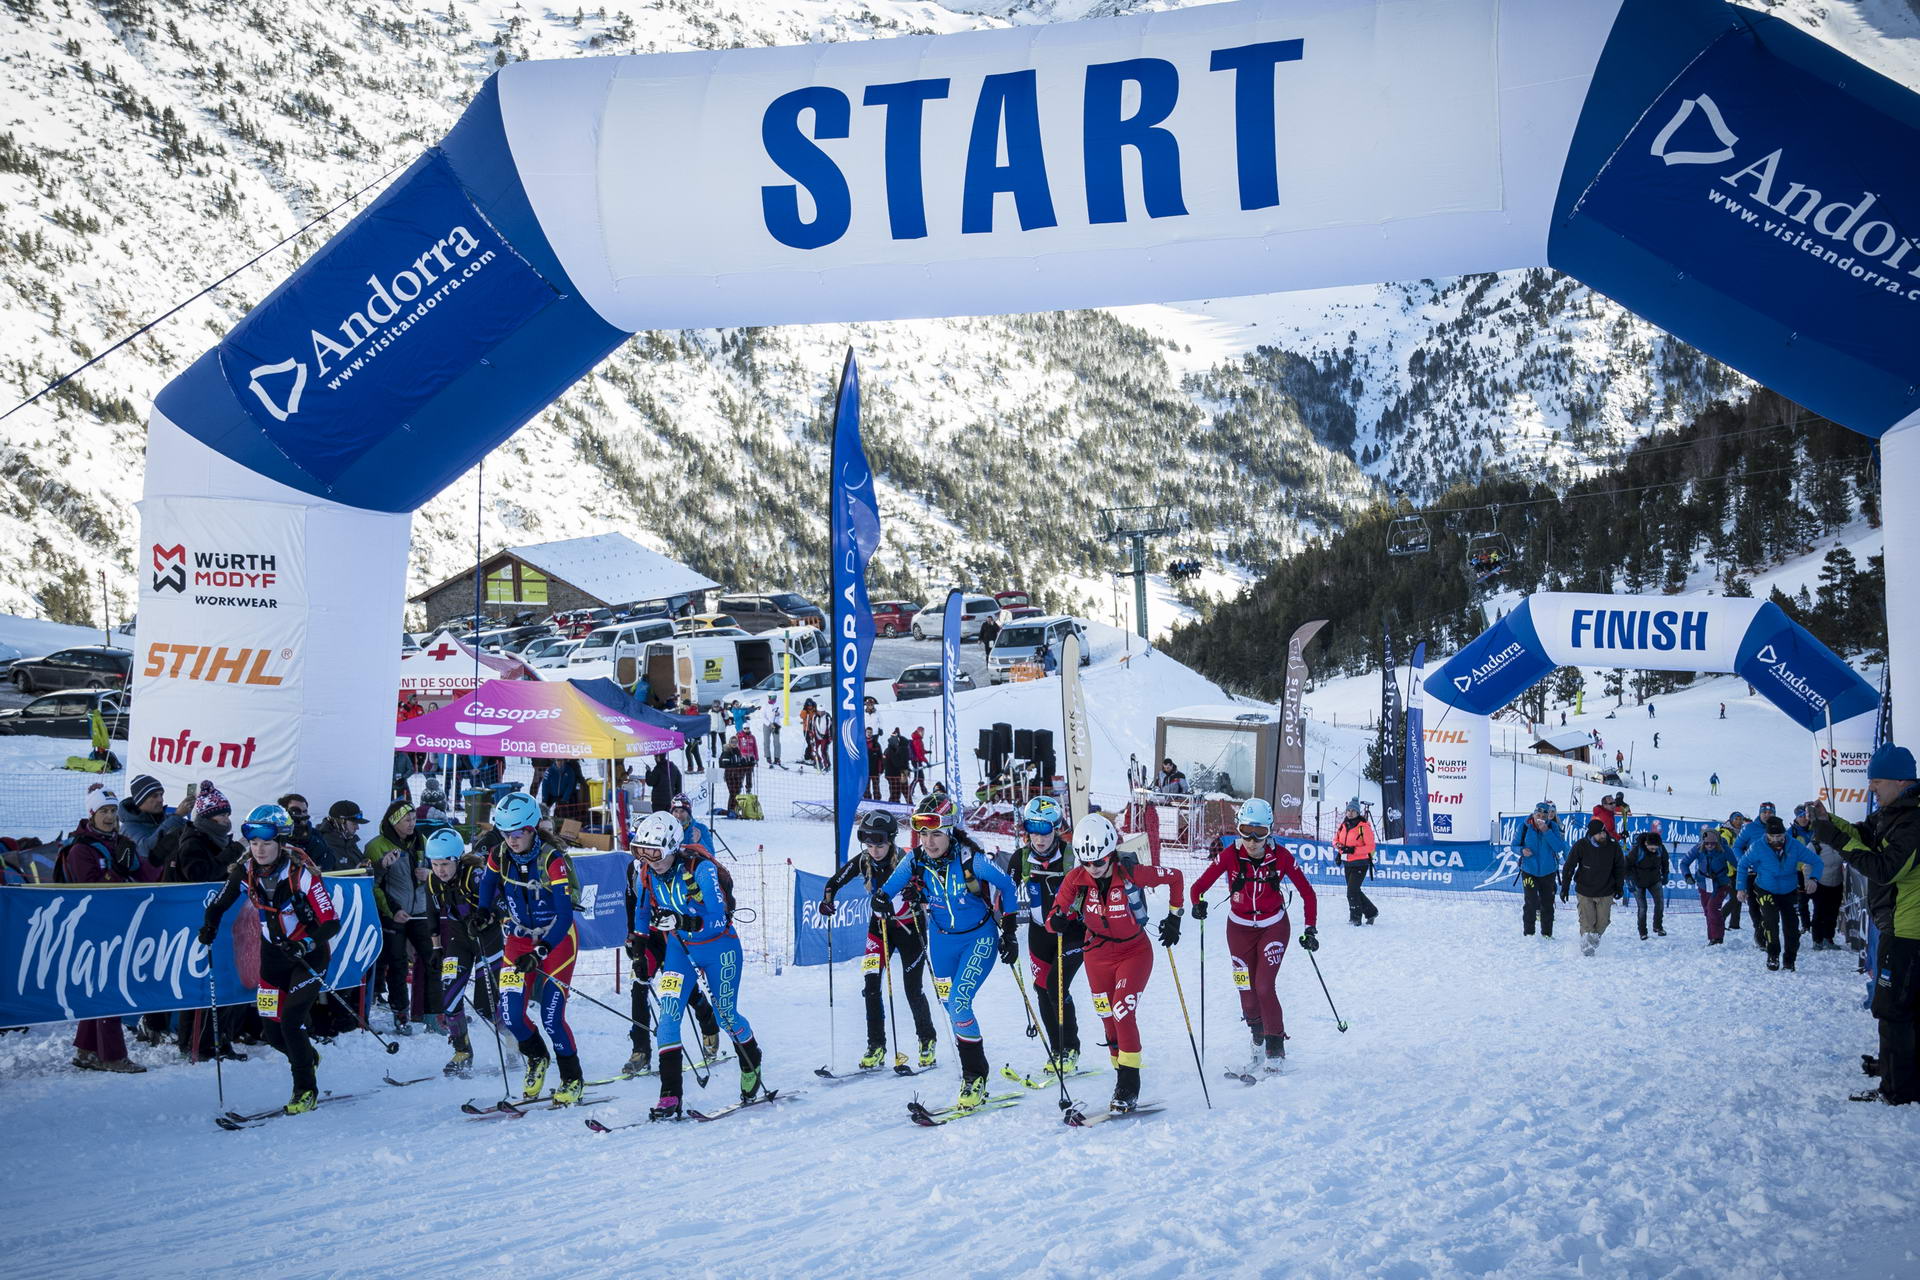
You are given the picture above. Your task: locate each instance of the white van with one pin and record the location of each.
(1020, 643)
(601, 645)
(706, 669)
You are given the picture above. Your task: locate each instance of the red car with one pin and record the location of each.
(893, 617)
(1013, 600)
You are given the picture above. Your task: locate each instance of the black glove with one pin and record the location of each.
(1062, 920)
(299, 947)
(1199, 908)
(1310, 939)
(1010, 941)
(1170, 931)
(207, 934)
(483, 919)
(530, 961)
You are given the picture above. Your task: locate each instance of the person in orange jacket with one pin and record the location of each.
(1354, 841)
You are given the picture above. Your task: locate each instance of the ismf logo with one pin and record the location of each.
(169, 568)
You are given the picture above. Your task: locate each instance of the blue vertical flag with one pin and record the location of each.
(949, 674)
(856, 534)
(1419, 820)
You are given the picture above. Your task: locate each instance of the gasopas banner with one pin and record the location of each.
(219, 658)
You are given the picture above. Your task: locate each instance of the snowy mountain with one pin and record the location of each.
(154, 154)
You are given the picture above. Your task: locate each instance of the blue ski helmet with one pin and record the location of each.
(515, 811)
(267, 822)
(1256, 813)
(1041, 815)
(445, 845)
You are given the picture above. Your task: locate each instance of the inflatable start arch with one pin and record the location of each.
(1715, 170)
(1752, 639)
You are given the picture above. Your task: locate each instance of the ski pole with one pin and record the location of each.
(833, 1035)
(334, 996)
(1338, 1021)
(1203, 991)
(1059, 985)
(893, 1025)
(499, 1048)
(1200, 1071)
(213, 1019)
(1033, 1029)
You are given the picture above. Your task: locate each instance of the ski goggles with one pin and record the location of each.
(1037, 827)
(1255, 831)
(259, 831)
(932, 822)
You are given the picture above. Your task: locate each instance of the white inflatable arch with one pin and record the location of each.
(1717, 171)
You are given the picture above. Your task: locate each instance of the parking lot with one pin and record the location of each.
(891, 657)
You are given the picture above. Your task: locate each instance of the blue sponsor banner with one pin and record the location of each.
(384, 317)
(1770, 205)
(1504, 662)
(1798, 674)
(855, 521)
(600, 914)
(811, 935)
(1465, 866)
(949, 674)
(111, 951)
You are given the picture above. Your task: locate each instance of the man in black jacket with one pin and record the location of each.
(1595, 866)
(899, 766)
(1647, 868)
(201, 852)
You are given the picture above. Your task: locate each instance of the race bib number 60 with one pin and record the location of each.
(1241, 978)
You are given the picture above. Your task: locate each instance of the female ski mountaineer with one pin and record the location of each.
(1105, 895)
(891, 934)
(955, 875)
(680, 885)
(531, 879)
(1257, 925)
(470, 943)
(1040, 866)
(296, 920)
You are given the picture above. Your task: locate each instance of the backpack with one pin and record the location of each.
(747, 805)
(693, 853)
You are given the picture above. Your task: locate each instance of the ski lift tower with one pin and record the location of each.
(1135, 525)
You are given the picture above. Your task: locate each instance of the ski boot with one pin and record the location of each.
(534, 1079)
(710, 1044)
(1126, 1089)
(460, 1064)
(1275, 1054)
(973, 1092)
(668, 1109)
(1066, 1065)
(1259, 1058)
(928, 1053)
(303, 1102)
(569, 1092)
(638, 1064)
(874, 1058)
(750, 1082)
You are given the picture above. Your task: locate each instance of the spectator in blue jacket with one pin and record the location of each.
(1709, 868)
(1771, 866)
(1539, 849)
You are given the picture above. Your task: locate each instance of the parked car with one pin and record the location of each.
(408, 644)
(554, 658)
(805, 680)
(924, 682)
(1021, 643)
(1018, 612)
(930, 622)
(696, 622)
(89, 666)
(540, 646)
(893, 617)
(777, 609)
(599, 644)
(68, 714)
(582, 621)
(1012, 599)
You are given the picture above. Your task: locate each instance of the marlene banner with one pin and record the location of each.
(111, 951)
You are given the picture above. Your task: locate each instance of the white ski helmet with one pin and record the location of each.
(1096, 839)
(659, 830)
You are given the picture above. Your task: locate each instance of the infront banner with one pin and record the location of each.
(112, 951)
(1419, 820)
(1749, 638)
(220, 657)
(811, 934)
(1290, 762)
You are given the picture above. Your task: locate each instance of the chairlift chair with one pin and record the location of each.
(1409, 536)
(1489, 554)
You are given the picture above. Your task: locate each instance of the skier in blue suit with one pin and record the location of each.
(680, 888)
(952, 875)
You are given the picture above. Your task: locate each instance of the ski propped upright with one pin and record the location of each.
(1073, 717)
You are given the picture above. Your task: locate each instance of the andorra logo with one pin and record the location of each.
(1767, 655)
(281, 412)
(1710, 112)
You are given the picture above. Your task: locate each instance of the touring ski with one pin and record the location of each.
(234, 1120)
(1080, 1120)
(920, 1114)
(401, 1084)
(896, 1071)
(521, 1105)
(1045, 1081)
(771, 1095)
(654, 1071)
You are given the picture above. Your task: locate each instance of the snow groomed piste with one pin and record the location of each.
(1603, 138)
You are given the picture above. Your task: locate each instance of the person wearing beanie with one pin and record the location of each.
(1710, 868)
(1885, 848)
(97, 853)
(145, 821)
(206, 847)
(1647, 868)
(1826, 892)
(1769, 877)
(1595, 867)
(398, 861)
(1730, 836)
